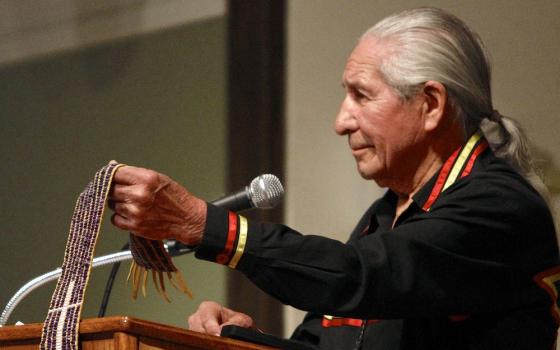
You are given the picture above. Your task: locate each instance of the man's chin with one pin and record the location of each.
(377, 175)
(368, 174)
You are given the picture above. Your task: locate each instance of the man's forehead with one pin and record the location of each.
(355, 77)
(358, 72)
(362, 63)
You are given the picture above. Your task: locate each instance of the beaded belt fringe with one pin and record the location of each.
(60, 329)
(151, 255)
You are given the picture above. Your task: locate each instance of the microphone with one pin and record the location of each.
(264, 192)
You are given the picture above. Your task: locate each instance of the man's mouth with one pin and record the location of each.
(359, 147)
(358, 151)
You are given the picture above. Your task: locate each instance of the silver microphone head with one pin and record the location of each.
(266, 191)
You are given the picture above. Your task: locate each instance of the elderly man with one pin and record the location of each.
(460, 253)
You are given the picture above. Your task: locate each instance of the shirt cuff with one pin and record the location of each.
(225, 239)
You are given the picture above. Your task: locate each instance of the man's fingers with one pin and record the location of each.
(122, 222)
(211, 317)
(119, 221)
(196, 324)
(131, 175)
(131, 193)
(230, 317)
(118, 193)
(211, 326)
(126, 210)
(206, 319)
(125, 175)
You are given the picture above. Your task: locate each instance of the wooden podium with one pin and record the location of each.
(124, 333)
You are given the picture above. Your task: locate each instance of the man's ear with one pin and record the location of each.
(434, 105)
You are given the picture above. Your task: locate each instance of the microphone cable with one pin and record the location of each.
(109, 284)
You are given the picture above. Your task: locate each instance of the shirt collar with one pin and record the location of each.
(457, 166)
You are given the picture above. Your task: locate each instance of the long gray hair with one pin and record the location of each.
(431, 44)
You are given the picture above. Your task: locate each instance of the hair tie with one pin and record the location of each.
(495, 116)
(495, 131)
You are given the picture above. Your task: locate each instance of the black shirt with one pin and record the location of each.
(471, 264)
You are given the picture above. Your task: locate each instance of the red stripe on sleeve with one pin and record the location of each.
(225, 255)
(341, 321)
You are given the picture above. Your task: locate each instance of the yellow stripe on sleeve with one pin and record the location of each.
(243, 228)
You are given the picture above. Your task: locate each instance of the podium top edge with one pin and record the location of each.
(108, 325)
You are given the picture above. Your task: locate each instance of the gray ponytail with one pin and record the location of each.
(508, 141)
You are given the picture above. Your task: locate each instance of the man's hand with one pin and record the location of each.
(154, 206)
(211, 317)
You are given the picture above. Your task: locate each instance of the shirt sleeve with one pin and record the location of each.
(476, 250)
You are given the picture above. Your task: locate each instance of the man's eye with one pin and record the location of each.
(359, 95)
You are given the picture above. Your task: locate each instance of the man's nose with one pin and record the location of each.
(345, 121)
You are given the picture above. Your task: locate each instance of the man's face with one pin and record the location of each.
(382, 128)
